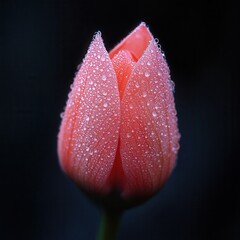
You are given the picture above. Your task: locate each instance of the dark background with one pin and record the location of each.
(41, 44)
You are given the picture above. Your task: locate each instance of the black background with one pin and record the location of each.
(41, 44)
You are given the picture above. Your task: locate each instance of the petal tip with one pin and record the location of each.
(98, 36)
(144, 25)
(136, 42)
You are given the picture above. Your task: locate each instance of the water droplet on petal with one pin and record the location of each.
(137, 85)
(154, 114)
(87, 118)
(147, 74)
(105, 105)
(144, 94)
(104, 77)
(172, 85)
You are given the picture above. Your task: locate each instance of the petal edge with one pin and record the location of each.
(149, 134)
(91, 121)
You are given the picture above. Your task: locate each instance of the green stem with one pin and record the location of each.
(109, 224)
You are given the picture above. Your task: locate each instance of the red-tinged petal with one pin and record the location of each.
(148, 134)
(136, 42)
(123, 64)
(89, 132)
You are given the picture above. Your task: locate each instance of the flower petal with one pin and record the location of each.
(123, 65)
(148, 134)
(89, 132)
(136, 42)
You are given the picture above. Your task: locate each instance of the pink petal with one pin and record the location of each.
(136, 42)
(89, 132)
(149, 134)
(123, 65)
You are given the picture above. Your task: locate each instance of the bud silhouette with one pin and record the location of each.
(119, 132)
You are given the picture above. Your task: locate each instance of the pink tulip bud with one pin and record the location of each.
(119, 131)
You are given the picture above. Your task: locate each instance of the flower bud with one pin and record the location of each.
(119, 134)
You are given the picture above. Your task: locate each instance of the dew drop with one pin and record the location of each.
(128, 135)
(104, 77)
(172, 84)
(62, 115)
(154, 114)
(70, 95)
(137, 85)
(87, 118)
(144, 94)
(104, 93)
(147, 74)
(103, 58)
(159, 74)
(105, 105)
(148, 63)
(87, 148)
